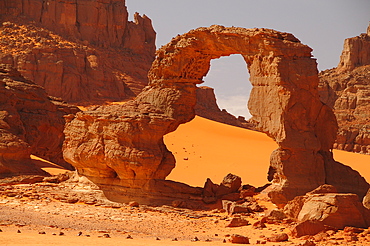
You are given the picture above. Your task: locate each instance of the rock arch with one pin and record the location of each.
(125, 144)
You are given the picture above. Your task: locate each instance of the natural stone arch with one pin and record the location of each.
(284, 101)
(284, 98)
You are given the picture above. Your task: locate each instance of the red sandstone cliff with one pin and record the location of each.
(347, 90)
(356, 52)
(30, 123)
(81, 51)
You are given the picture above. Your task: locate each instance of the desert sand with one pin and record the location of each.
(208, 149)
(203, 148)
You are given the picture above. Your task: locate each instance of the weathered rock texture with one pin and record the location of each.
(347, 90)
(366, 200)
(124, 144)
(332, 209)
(207, 107)
(30, 123)
(356, 52)
(81, 51)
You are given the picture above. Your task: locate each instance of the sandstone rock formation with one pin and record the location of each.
(123, 145)
(207, 107)
(82, 51)
(332, 209)
(356, 52)
(347, 90)
(308, 227)
(239, 239)
(30, 123)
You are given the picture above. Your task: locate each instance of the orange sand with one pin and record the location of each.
(214, 149)
(47, 166)
(32, 238)
(360, 163)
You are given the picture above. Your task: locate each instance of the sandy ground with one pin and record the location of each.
(205, 148)
(24, 218)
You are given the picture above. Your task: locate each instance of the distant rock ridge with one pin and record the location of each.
(356, 52)
(100, 22)
(207, 107)
(347, 90)
(85, 52)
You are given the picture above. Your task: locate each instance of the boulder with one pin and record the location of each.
(281, 237)
(247, 191)
(260, 224)
(227, 190)
(276, 215)
(232, 182)
(239, 208)
(238, 222)
(308, 227)
(332, 209)
(239, 239)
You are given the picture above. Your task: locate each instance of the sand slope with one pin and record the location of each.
(214, 149)
(205, 148)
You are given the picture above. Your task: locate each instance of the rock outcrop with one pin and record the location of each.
(356, 52)
(82, 51)
(335, 210)
(207, 107)
(30, 123)
(123, 145)
(347, 90)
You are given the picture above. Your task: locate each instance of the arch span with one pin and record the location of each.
(284, 102)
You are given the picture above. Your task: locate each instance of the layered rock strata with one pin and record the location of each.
(82, 51)
(347, 90)
(30, 123)
(356, 52)
(123, 145)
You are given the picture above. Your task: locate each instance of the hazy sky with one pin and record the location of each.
(321, 24)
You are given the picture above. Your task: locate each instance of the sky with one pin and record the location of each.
(321, 24)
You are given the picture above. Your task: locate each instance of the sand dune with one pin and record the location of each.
(360, 163)
(204, 148)
(207, 149)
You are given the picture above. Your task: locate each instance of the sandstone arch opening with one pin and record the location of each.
(229, 77)
(207, 149)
